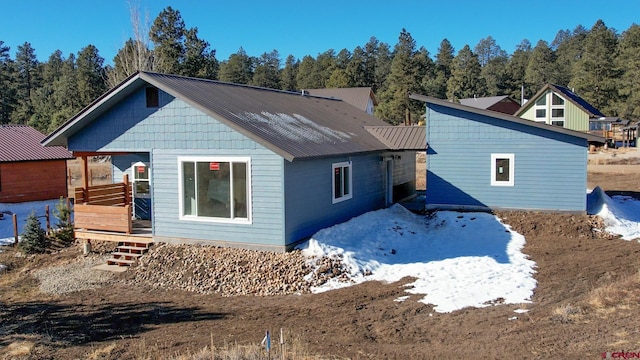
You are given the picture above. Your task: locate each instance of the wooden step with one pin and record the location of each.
(118, 255)
(120, 262)
(132, 249)
(134, 244)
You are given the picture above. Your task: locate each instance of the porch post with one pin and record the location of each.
(85, 177)
(127, 189)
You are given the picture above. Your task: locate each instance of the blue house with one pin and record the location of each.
(234, 165)
(479, 159)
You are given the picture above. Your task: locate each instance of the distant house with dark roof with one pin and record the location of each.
(243, 166)
(560, 106)
(28, 170)
(361, 97)
(503, 103)
(479, 159)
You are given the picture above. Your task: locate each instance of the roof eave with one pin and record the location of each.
(507, 117)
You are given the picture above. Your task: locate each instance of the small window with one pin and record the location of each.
(342, 183)
(153, 100)
(558, 123)
(502, 169)
(557, 100)
(557, 113)
(541, 113)
(542, 101)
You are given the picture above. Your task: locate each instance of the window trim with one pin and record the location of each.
(230, 159)
(511, 158)
(349, 195)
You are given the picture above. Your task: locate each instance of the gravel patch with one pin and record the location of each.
(74, 276)
(232, 272)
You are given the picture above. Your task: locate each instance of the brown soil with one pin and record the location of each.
(360, 322)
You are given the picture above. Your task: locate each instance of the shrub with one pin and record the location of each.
(33, 239)
(63, 232)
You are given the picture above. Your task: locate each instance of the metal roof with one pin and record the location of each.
(568, 95)
(22, 143)
(483, 102)
(356, 96)
(290, 124)
(507, 117)
(401, 137)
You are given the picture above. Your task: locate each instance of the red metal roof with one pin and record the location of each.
(22, 143)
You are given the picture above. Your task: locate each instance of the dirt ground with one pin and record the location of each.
(586, 303)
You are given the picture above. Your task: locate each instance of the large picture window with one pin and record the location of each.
(502, 169)
(342, 182)
(216, 189)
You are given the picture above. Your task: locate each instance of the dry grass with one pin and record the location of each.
(18, 349)
(104, 352)
(567, 313)
(618, 294)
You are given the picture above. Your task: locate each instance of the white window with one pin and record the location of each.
(541, 109)
(557, 110)
(502, 169)
(342, 182)
(141, 180)
(215, 189)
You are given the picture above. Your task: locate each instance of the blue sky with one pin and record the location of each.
(305, 27)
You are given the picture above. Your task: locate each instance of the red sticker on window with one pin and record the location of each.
(141, 169)
(214, 166)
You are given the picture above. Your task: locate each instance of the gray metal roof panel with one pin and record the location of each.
(356, 96)
(482, 102)
(22, 143)
(401, 137)
(291, 125)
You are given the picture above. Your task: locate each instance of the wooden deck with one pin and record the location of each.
(140, 232)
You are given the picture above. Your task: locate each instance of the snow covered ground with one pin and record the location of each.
(22, 210)
(458, 259)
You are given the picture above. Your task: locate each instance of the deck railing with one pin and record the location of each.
(104, 207)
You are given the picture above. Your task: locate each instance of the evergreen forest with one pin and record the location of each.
(599, 63)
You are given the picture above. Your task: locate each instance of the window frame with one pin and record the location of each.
(511, 158)
(343, 196)
(557, 120)
(210, 159)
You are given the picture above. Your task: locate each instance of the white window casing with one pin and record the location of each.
(502, 169)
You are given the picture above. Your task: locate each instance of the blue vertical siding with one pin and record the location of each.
(308, 197)
(550, 168)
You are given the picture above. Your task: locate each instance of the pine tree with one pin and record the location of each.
(167, 33)
(465, 80)
(437, 86)
(90, 75)
(33, 239)
(514, 83)
(238, 69)
(407, 70)
(63, 232)
(267, 71)
(628, 63)
(289, 73)
(27, 80)
(7, 90)
(541, 68)
(594, 74)
(568, 46)
(306, 77)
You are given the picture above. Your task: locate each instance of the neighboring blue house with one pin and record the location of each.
(479, 159)
(233, 165)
